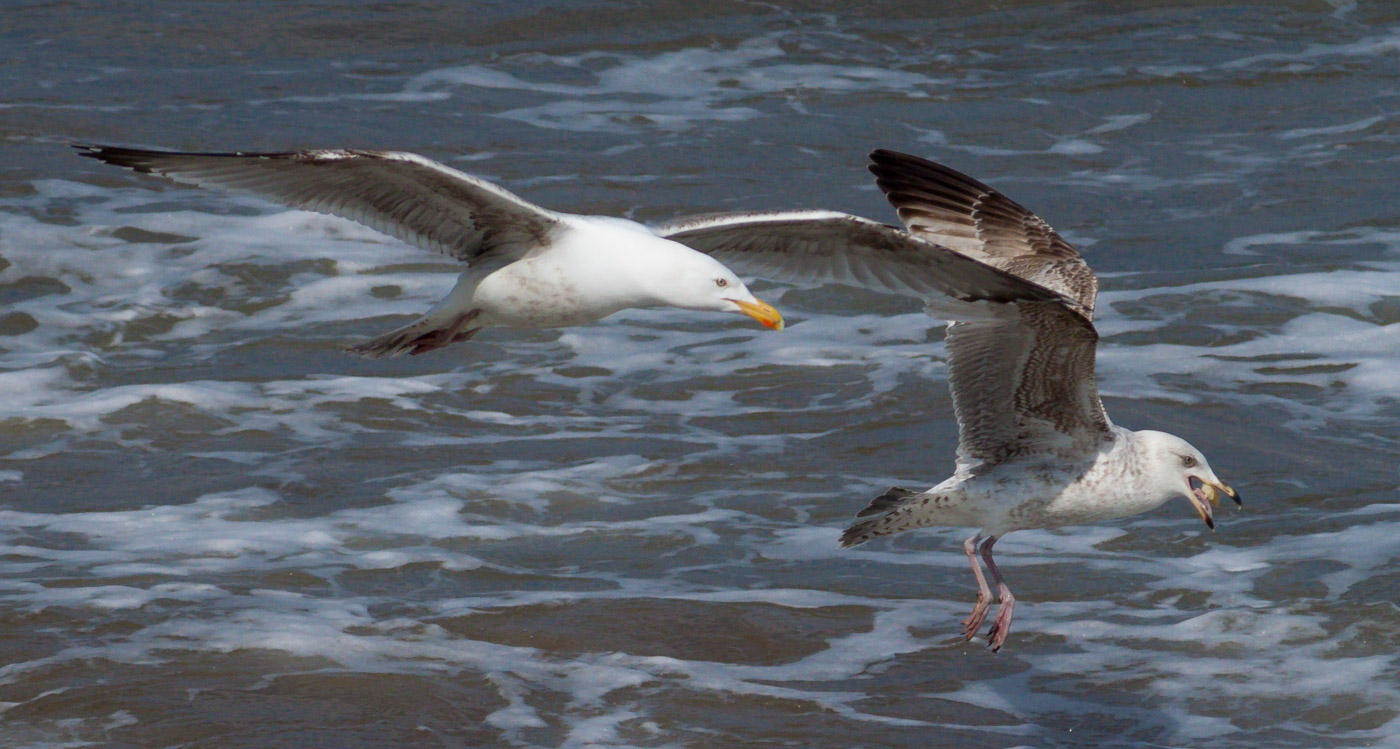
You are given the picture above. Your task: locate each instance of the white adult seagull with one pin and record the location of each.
(1035, 447)
(529, 267)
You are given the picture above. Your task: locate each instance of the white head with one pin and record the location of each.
(682, 277)
(1174, 468)
(634, 267)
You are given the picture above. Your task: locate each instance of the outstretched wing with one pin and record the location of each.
(947, 207)
(1023, 378)
(807, 246)
(404, 195)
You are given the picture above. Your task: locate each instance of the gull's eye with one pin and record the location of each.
(721, 282)
(1189, 461)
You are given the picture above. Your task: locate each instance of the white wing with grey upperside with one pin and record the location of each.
(817, 246)
(404, 195)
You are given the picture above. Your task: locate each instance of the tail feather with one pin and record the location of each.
(424, 334)
(892, 512)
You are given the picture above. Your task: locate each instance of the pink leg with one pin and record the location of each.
(973, 622)
(1006, 603)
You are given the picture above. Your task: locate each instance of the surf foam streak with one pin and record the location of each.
(674, 90)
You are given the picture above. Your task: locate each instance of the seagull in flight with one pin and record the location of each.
(527, 266)
(1035, 447)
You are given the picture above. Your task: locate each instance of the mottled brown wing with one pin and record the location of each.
(952, 209)
(1023, 383)
(404, 195)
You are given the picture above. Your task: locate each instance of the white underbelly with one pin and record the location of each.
(1050, 495)
(1012, 497)
(534, 294)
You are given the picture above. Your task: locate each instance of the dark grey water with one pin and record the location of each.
(216, 529)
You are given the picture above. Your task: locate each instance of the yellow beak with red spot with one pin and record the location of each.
(763, 312)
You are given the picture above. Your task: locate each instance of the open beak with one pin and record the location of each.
(760, 311)
(1206, 494)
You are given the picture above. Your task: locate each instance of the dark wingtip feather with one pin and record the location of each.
(885, 154)
(140, 159)
(131, 158)
(896, 166)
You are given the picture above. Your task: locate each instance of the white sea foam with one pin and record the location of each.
(1348, 127)
(1383, 44)
(674, 90)
(1121, 122)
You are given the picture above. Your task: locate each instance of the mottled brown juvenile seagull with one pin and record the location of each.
(1035, 447)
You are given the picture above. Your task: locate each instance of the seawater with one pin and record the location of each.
(216, 528)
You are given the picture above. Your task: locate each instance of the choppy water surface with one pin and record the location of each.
(218, 529)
